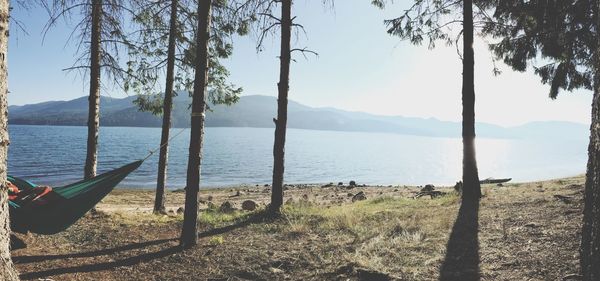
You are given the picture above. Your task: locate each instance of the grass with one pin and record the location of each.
(366, 216)
(214, 218)
(216, 240)
(387, 234)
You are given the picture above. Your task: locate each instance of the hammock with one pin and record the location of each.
(64, 205)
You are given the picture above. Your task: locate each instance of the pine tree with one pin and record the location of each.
(270, 21)
(101, 37)
(566, 34)
(471, 187)
(159, 202)
(148, 57)
(283, 88)
(93, 123)
(7, 270)
(189, 233)
(434, 21)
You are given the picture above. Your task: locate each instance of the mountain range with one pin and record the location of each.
(258, 111)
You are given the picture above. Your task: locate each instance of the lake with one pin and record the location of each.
(55, 155)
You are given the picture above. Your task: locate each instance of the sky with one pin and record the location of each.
(359, 68)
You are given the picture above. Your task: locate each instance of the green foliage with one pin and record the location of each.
(559, 33)
(378, 3)
(113, 33)
(429, 20)
(149, 53)
(150, 103)
(214, 218)
(433, 21)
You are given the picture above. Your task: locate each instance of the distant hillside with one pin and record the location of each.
(258, 111)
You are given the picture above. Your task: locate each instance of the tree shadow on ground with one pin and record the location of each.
(255, 218)
(129, 261)
(462, 251)
(170, 249)
(42, 258)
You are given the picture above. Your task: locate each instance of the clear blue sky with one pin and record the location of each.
(359, 68)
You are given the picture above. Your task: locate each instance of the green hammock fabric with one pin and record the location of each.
(64, 205)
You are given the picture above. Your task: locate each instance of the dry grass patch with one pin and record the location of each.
(142, 218)
(386, 234)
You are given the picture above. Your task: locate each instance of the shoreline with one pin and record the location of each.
(141, 201)
(314, 185)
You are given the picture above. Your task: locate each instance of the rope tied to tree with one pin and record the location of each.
(164, 144)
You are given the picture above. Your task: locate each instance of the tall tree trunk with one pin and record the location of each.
(471, 186)
(159, 202)
(282, 102)
(590, 234)
(189, 233)
(91, 158)
(7, 270)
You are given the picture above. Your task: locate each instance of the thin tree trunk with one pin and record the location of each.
(590, 234)
(94, 98)
(159, 202)
(471, 186)
(7, 270)
(282, 103)
(189, 233)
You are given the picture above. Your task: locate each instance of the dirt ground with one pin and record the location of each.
(524, 231)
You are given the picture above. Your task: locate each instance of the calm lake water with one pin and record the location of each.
(55, 155)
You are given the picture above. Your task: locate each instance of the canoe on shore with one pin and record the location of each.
(493, 180)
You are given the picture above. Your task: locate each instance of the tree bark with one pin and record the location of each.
(7, 270)
(471, 186)
(159, 202)
(189, 233)
(94, 97)
(590, 233)
(282, 103)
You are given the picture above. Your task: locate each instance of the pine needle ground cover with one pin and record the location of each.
(526, 231)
